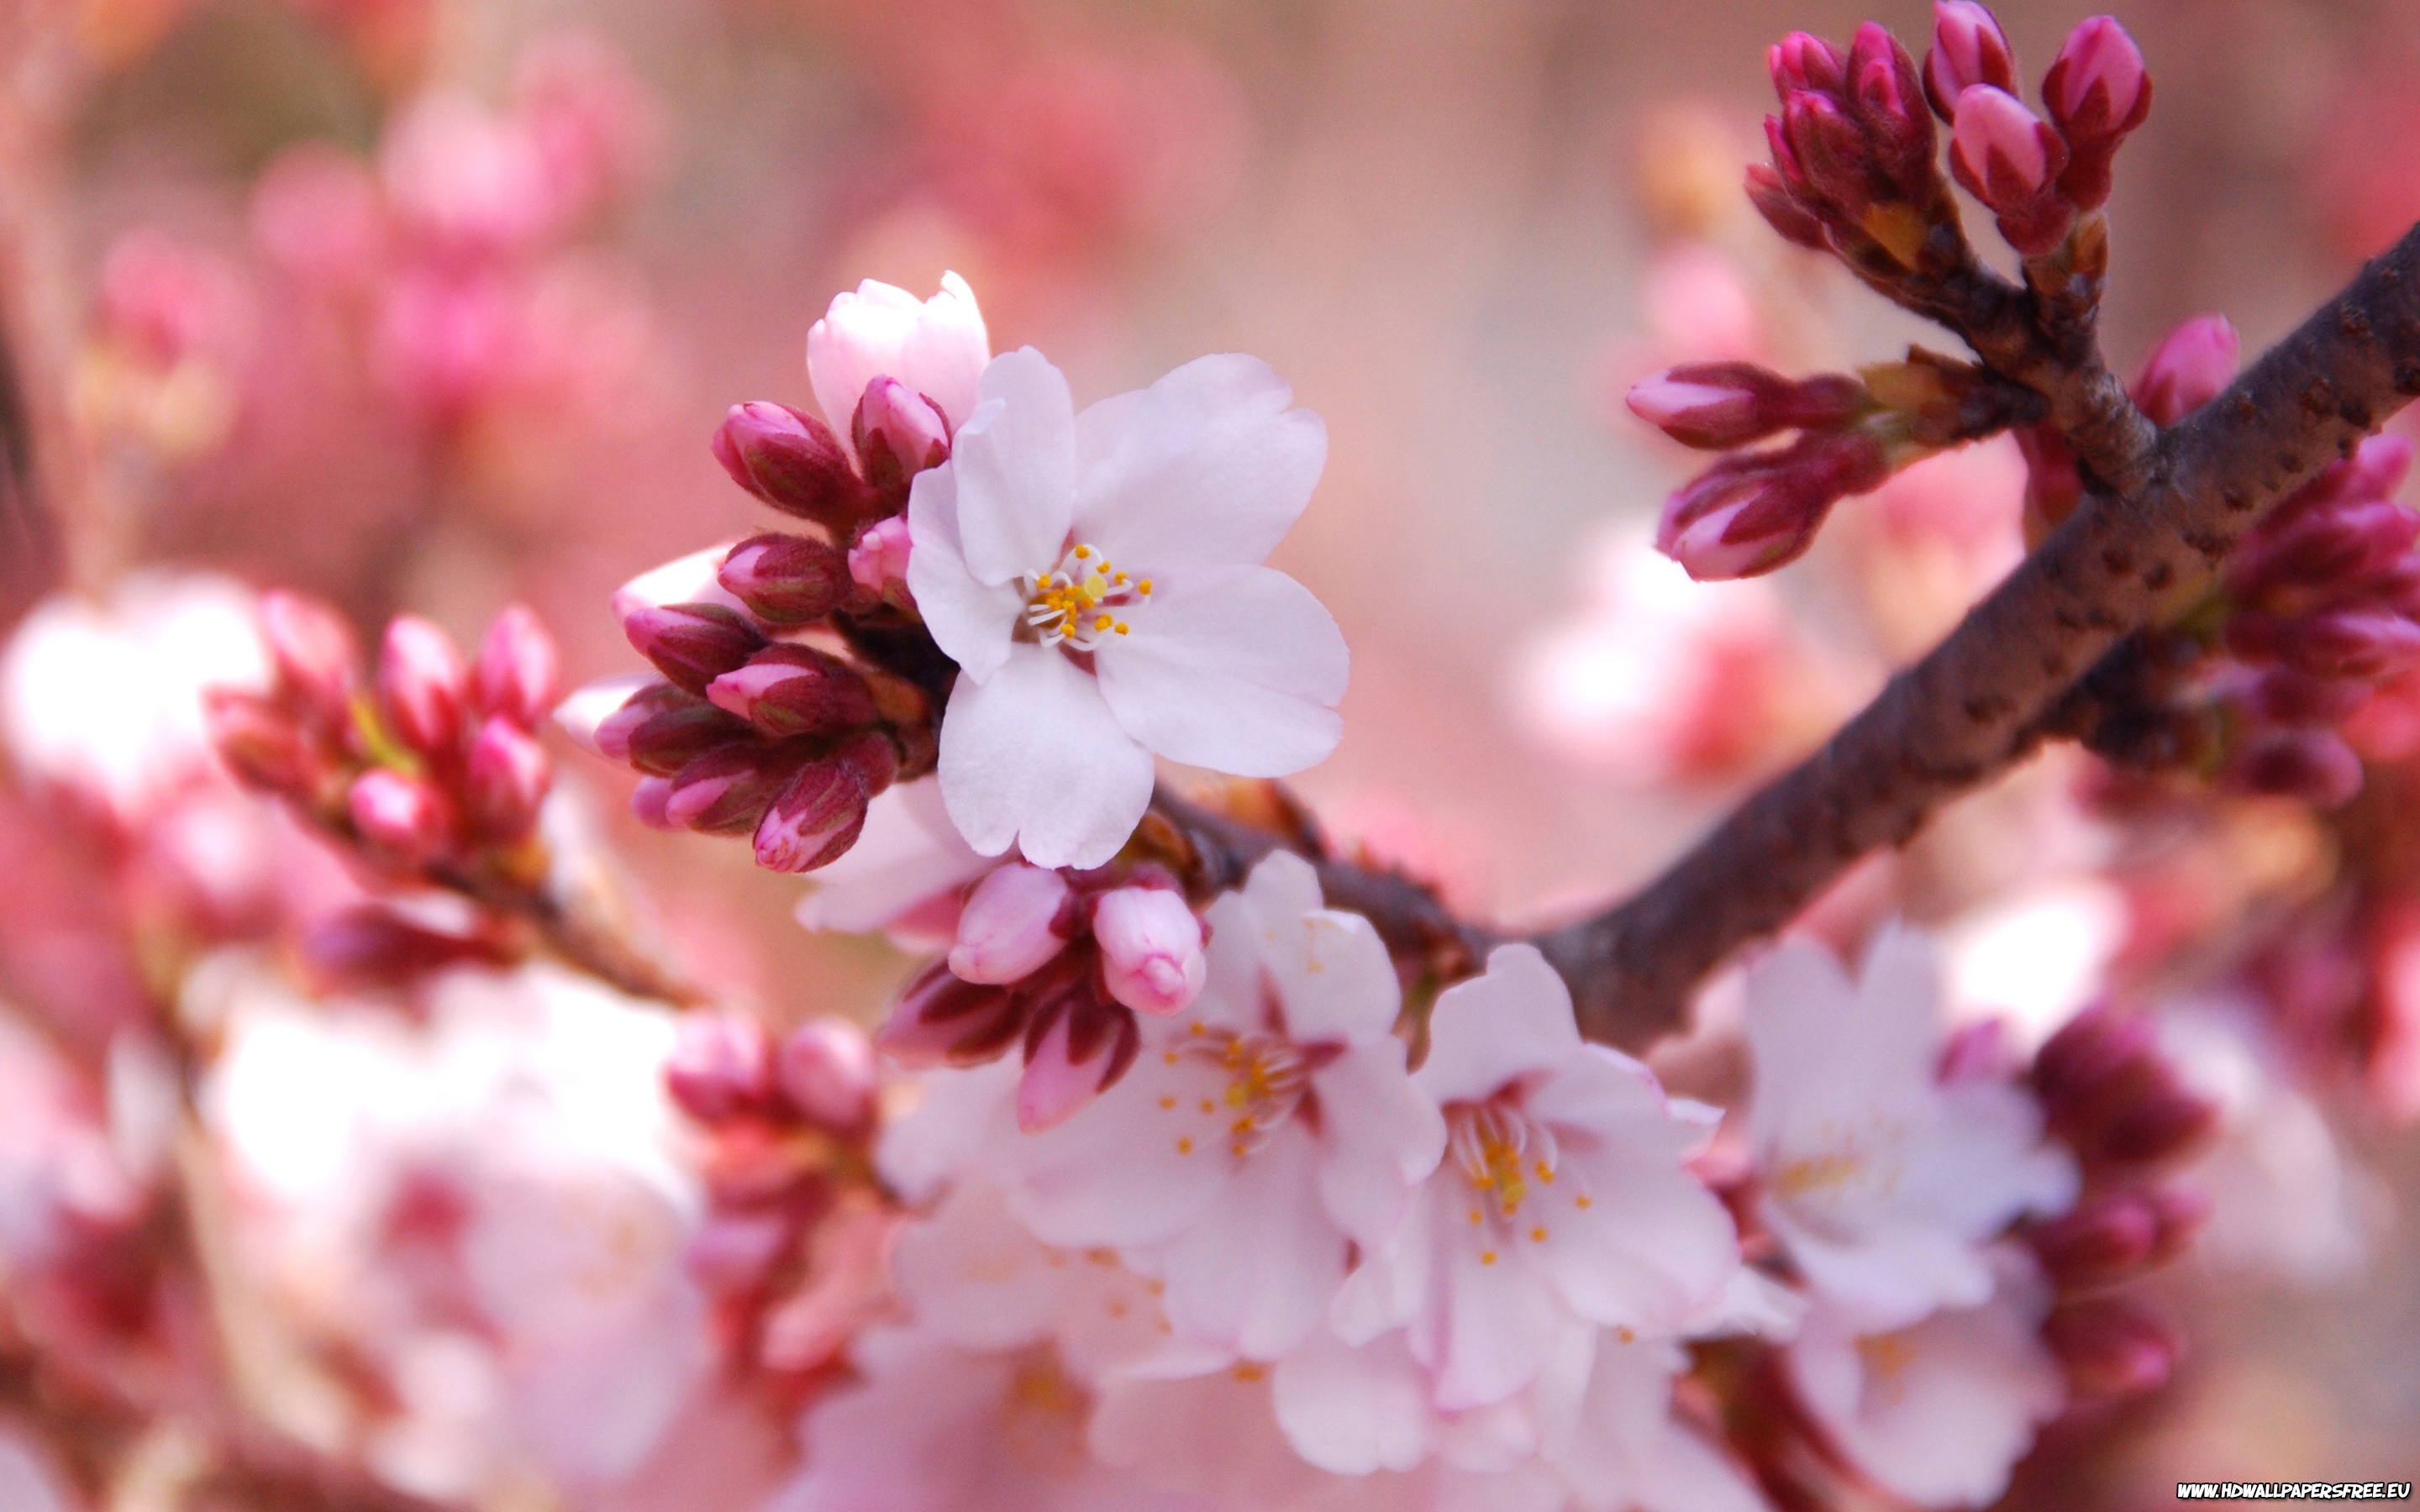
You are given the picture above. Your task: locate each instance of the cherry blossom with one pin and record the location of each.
(906, 875)
(1261, 1134)
(1882, 1182)
(937, 347)
(1097, 580)
(1561, 1204)
(1937, 1410)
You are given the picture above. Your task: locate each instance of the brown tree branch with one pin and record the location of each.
(1975, 705)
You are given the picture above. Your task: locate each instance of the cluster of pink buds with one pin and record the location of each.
(1058, 963)
(429, 767)
(1853, 167)
(2112, 1098)
(1755, 511)
(788, 1126)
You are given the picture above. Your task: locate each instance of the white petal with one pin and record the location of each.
(1256, 1272)
(1335, 979)
(1354, 1410)
(1033, 759)
(944, 355)
(1240, 673)
(971, 621)
(1651, 1248)
(1379, 1138)
(1015, 461)
(1208, 466)
(1136, 1167)
(973, 1275)
(1515, 1019)
(1493, 1323)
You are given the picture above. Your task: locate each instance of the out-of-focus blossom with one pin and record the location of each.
(1939, 1410)
(486, 1210)
(1886, 1184)
(1264, 1134)
(1561, 1203)
(163, 364)
(1195, 651)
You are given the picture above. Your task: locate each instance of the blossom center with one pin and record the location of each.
(1076, 603)
(1268, 1081)
(1508, 1158)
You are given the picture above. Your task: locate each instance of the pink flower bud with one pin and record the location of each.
(690, 579)
(789, 690)
(786, 579)
(2103, 1240)
(2091, 1051)
(734, 1252)
(721, 1064)
(2282, 695)
(942, 1019)
(2348, 642)
(591, 706)
(1886, 96)
(1072, 1056)
(650, 799)
(1755, 512)
(879, 558)
(318, 659)
(2111, 1347)
(899, 433)
(422, 687)
(519, 671)
(663, 729)
(2338, 549)
(1781, 210)
(260, 743)
(2097, 92)
(1968, 49)
(825, 1070)
(399, 815)
(2312, 766)
(938, 347)
(1718, 406)
(728, 790)
(1803, 62)
(2190, 367)
(793, 462)
(1151, 948)
(818, 814)
(506, 780)
(1828, 161)
(692, 643)
(2011, 160)
(2164, 1124)
(1017, 920)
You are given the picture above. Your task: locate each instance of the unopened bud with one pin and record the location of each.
(2008, 158)
(687, 579)
(421, 685)
(2101, 1241)
(1826, 160)
(1072, 1056)
(1968, 49)
(1151, 948)
(2111, 1347)
(825, 1071)
(1802, 61)
(727, 790)
(2190, 367)
(2330, 551)
(721, 1064)
(2362, 643)
(879, 560)
(2097, 91)
(316, 657)
(2282, 695)
(650, 800)
(519, 671)
(793, 462)
(402, 816)
(1750, 515)
(506, 780)
(582, 716)
(1718, 406)
(1015, 921)
(1795, 223)
(735, 1252)
(1886, 96)
(785, 579)
(692, 643)
(2160, 1126)
(794, 690)
(2087, 1053)
(899, 433)
(259, 742)
(819, 813)
(941, 1019)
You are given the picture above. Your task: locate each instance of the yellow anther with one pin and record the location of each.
(1083, 551)
(1476, 1216)
(1123, 628)
(1168, 1102)
(1583, 1199)
(1538, 1235)
(1185, 1147)
(1487, 1257)
(1102, 622)
(1144, 587)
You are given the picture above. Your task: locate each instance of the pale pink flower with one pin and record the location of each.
(1097, 580)
(1885, 1183)
(937, 347)
(1259, 1135)
(1561, 1203)
(1626, 1451)
(1939, 1408)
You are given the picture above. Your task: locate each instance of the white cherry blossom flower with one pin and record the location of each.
(1939, 1410)
(1884, 1182)
(1261, 1133)
(937, 347)
(1098, 579)
(1561, 1203)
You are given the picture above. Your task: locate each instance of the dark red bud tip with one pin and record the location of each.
(1792, 221)
(422, 687)
(2163, 1126)
(316, 657)
(2102, 1241)
(1968, 49)
(2090, 1050)
(899, 433)
(818, 815)
(660, 732)
(790, 690)
(260, 743)
(692, 643)
(793, 462)
(722, 1065)
(506, 781)
(941, 1021)
(786, 579)
(1803, 61)
(2111, 1347)
(519, 671)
